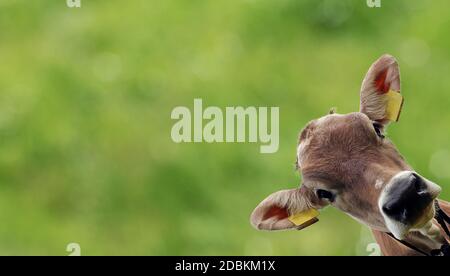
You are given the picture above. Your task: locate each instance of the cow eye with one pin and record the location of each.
(378, 129)
(323, 194)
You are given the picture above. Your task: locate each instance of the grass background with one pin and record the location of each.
(86, 96)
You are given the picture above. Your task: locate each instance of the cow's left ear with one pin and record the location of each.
(380, 95)
(284, 210)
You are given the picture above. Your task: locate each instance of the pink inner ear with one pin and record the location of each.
(380, 82)
(275, 211)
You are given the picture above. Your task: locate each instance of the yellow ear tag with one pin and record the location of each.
(394, 105)
(305, 218)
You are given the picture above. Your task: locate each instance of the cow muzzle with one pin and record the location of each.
(406, 203)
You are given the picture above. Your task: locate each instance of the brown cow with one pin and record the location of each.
(346, 162)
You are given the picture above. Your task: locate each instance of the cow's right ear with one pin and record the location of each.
(284, 210)
(380, 95)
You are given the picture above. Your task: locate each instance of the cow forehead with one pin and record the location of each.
(327, 121)
(310, 127)
(328, 132)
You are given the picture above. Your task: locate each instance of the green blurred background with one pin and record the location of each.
(86, 96)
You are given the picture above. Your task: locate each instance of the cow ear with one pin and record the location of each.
(380, 95)
(284, 210)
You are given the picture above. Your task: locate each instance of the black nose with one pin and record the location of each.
(407, 199)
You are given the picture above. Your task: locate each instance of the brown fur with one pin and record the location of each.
(346, 156)
(345, 152)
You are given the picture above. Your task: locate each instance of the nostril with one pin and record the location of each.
(404, 215)
(390, 209)
(396, 212)
(418, 184)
